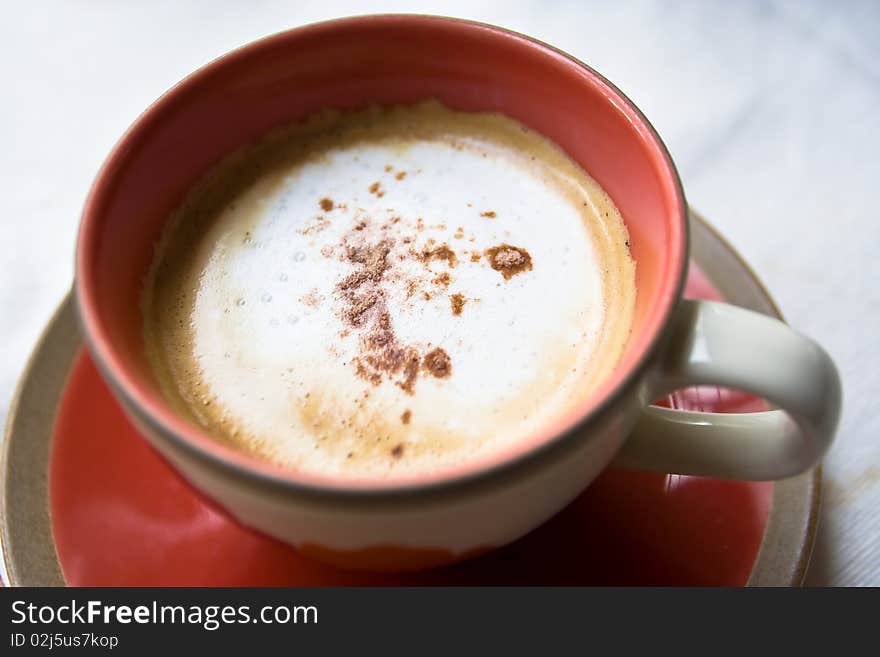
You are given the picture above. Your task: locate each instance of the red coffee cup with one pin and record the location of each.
(448, 515)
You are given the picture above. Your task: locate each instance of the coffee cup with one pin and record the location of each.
(417, 517)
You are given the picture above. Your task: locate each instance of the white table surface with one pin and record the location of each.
(771, 110)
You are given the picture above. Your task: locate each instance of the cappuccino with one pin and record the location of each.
(389, 292)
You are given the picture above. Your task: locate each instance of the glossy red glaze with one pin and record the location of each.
(350, 63)
(121, 516)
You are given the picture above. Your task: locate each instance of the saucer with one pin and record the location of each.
(85, 501)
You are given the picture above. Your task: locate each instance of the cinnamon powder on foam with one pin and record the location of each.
(364, 309)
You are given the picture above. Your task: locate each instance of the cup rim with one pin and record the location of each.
(176, 433)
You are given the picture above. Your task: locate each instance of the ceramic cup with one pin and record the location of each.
(441, 518)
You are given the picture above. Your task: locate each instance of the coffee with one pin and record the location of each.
(389, 292)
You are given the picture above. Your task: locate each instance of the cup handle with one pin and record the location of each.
(720, 344)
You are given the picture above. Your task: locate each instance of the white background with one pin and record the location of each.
(771, 110)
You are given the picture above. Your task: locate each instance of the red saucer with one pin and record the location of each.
(121, 516)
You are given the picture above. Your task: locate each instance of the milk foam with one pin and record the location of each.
(251, 329)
